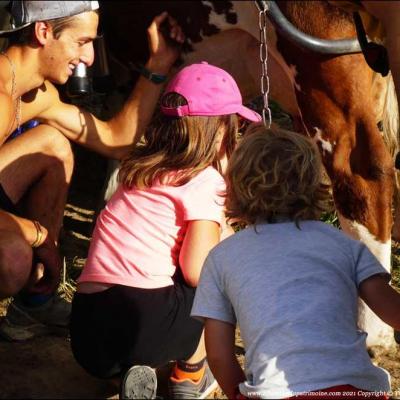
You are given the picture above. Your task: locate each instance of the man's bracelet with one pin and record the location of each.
(39, 235)
(151, 76)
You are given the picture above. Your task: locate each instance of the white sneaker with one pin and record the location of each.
(140, 382)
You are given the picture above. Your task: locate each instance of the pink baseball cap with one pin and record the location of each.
(209, 91)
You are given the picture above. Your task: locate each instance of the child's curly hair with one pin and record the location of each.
(275, 173)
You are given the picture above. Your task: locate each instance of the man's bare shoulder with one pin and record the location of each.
(39, 100)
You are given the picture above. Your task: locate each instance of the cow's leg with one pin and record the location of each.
(362, 179)
(358, 164)
(388, 12)
(361, 171)
(338, 106)
(342, 120)
(362, 175)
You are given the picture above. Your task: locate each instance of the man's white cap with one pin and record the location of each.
(24, 13)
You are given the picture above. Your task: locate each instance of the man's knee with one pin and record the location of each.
(15, 263)
(57, 145)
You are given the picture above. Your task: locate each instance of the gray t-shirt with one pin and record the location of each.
(294, 296)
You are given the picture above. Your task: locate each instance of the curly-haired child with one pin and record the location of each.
(290, 282)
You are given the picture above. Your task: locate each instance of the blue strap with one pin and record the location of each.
(23, 128)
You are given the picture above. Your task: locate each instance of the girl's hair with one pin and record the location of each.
(185, 145)
(275, 173)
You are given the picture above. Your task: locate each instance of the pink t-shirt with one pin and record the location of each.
(139, 234)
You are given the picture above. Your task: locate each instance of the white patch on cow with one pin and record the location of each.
(247, 13)
(381, 250)
(325, 144)
(216, 19)
(379, 333)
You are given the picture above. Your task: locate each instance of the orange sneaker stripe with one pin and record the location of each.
(193, 376)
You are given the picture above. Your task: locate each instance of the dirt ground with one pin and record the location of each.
(44, 367)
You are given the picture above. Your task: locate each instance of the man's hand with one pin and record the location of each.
(164, 51)
(46, 268)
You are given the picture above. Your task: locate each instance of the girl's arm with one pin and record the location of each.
(201, 236)
(220, 346)
(382, 299)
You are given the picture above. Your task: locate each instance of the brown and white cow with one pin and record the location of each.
(338, 100)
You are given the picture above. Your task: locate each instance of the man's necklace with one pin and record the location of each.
(18, 112)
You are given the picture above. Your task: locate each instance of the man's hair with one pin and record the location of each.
(275, 174)
(26, 35)
(185, 145)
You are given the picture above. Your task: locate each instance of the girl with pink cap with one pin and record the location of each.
(131, 312)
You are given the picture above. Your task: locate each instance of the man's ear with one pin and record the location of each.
(43, 32)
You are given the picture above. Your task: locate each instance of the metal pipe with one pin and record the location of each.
(303, 40)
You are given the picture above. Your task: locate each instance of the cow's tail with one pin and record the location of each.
(390, 119)
(391, 134)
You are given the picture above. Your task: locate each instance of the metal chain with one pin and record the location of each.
(262, 23)
(18, 112)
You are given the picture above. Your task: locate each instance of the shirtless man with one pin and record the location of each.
(48, 40)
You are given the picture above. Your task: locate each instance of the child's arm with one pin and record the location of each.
(201, 236)
(383, 300)
(220, 346)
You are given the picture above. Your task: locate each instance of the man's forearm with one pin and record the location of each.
(113, 138)
(130, 123)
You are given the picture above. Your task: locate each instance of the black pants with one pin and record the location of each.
(124, 326)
